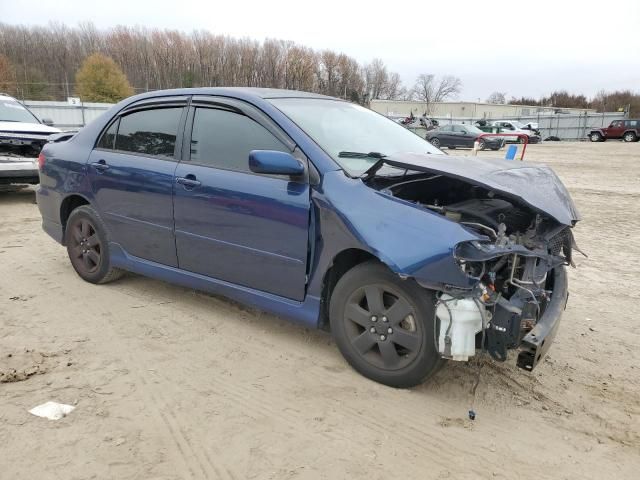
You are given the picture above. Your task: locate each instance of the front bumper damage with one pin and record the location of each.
(536, 343)
(516, 304)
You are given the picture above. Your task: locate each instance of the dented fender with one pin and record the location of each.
(411, 241)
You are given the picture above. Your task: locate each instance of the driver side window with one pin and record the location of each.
(223, 139)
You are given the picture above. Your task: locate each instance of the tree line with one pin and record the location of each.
(41, 62)
(603, 101)
(56, 61)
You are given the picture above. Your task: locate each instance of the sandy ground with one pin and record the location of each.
(172, 383)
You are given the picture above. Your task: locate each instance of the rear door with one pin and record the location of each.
(445, 135)
(131, 171)
(461, 137)
(231, 224)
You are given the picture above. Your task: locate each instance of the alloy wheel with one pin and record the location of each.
(381, 325)
(86, 247)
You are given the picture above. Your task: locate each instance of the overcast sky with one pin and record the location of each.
(521, 47)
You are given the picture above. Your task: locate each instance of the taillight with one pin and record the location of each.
(41, 160)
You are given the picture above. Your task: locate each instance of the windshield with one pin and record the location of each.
(344, 129)
(517, 124)
(12, 111)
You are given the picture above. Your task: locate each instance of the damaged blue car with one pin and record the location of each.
(323, 212)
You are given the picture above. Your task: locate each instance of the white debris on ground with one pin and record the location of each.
(52, 410)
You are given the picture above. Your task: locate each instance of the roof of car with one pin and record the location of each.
(265, 93)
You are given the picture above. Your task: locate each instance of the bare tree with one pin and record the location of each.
(498, 98)
(430, 89)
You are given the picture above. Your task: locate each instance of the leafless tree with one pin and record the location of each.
(498, 98)
(431, 89)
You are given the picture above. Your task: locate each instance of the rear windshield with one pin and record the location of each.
(13, 111)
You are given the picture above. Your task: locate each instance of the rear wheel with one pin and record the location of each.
(482, 145)
(435, 142)
(630, 137)
(384, 326)
(88, 246)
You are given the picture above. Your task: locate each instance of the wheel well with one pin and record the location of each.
(69, 204)
(342, 263)
(631, 131)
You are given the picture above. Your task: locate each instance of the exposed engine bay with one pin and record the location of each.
(514, 265)
(21, 144)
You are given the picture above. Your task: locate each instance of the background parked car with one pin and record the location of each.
(22, 136)
(462, 136)
(514, 126)
(628, 130)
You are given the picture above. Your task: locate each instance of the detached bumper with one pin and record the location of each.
(536, 343)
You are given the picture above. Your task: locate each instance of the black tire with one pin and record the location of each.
(630, 137)
(451, 147)
(435, 141)
(87, 242)
(384, 326)
(482, 145)
(595, 136)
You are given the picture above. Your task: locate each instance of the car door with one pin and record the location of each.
(131, 172)
(616, 129)
(461, 137)
(231, 224)
(444, 134)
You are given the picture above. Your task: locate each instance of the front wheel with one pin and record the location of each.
(384, 326)
(595, 137)
(435, 142)
(482, 145)
(88, 246)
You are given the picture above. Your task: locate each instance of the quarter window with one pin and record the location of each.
(149, 132)
(108, 138)
(223, 139)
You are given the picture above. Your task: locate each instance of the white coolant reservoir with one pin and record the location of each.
(460, 321)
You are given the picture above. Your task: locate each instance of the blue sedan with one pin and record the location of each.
(323, 212)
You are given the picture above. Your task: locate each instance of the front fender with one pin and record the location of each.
(411, 241)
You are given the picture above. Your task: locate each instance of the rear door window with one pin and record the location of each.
(149, 132)
(223, 139)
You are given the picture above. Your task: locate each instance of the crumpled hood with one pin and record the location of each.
(27, 127)
(534, 185)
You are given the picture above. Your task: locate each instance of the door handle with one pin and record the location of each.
(100, 166)
(188, 181)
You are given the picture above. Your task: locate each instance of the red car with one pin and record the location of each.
(628, 130)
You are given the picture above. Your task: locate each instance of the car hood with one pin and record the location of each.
(534, 185)
(19, 127)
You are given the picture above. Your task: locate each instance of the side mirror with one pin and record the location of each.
(47, 121)
(271, 162)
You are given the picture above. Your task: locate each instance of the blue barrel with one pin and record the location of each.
(511, 152)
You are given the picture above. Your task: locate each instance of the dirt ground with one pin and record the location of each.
(170, 383)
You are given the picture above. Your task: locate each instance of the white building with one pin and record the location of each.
(471, 110)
